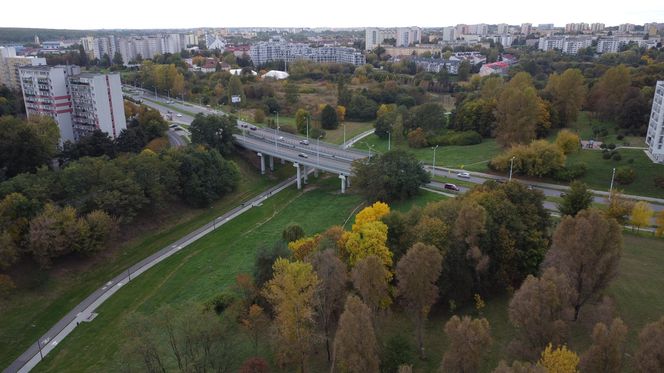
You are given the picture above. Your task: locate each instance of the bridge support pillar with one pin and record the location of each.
(315, 172)
(348, 181)
(271, 163)
(260, 155)
(343, 183)
(299, 175)
(282, 161)
(306, 174)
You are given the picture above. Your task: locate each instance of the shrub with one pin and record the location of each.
(630, 161)
(571, 172)
(611, 146)
(607, 155)
(620, 137)
(625, 175)
(397, 351)
(220, 302)
(288, 128)
(456, 138)
(659, 182)
(417, 139)
(315, 132)
(293, 232)
(568, 141)
(259, 115)
(616, 156)
(540, 158)
(602, 146)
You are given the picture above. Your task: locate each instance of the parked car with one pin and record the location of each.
(464, 174)
(451, 186)
(253, 128)
(243, 125)
(178, 115)
(281, 138)
(304, 142)
(303, 155)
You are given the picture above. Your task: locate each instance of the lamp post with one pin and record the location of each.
(276, 134)
(308, 116)
(613, 175)
(389, 141)
(344, 124)
(40, 349)
(318, 152)
(433, 168)
(511, 164)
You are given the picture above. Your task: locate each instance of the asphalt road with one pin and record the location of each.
(84, 311)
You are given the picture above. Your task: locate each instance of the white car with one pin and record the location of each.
(464, 175)
(304, 142)
(281, 138)
(178, 115)
(303, 155)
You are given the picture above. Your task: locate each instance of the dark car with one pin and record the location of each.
(451, 186)
(253, 128)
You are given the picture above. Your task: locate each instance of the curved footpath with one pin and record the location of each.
(84, 311)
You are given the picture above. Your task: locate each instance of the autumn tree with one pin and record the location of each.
(367, 239)
(292, 232)
(371, 279)
(568, 91)
(641, 215)
(469, 341)
(255, 322)
(660, 224)
(605, 355)
(559, 360)
(517, 111)
(417, 273)
(341, 113)
(568, 141)
(302, 118)
(292, 92)
(255, 365)
(519, 367)
(578, 198)
(331, 292)
(291, 292)
(650, 353)
(539, 311)
(355, 345)
(587, 249)
(606, 96)
(619, 207)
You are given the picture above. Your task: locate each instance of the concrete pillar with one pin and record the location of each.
(282, 161)
(299, 176)
(260, 155)
(306, 173)
(343, 183)
(271, 163)
(348, 181)
(315, 172)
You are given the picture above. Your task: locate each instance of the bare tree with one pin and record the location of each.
(469, 341)
(417, 273)
(331, 292)
(355, 345)
(539, 310)
(606, 353)
(650, 354)
(587, 249)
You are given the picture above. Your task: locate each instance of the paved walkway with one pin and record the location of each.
(357, 138)
(85, 311)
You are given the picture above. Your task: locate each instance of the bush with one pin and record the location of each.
(568, 141)
(625, 175)
(616, 156)
(602, 146)
(220, 302)
(607, 155)
(417, 139)
(630, 161)
(293, 232)
(315, 132)
(397, 351)
(540, 158)
(620, 137)
(288, 129)
(456, 138)
(611, 146)
(571, 172)
(659, 182)
(259, 115)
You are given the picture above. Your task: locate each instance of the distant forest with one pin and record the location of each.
(10, 35)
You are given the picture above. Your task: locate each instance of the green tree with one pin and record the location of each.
(205, 176)
(328, 118)
(117, 59)
(24, 146)
(517, 111)
(417, 273)
(569, 93)
(355, 345)
(578, 198)
(587, 249)
(302, 118)
(391, 176)
(464, 70)
(430, 117)
(215, 131)
(292, 232)
(606, 96)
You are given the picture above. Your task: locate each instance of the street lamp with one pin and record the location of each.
(308, 116)
(389, 141)
(276, 134)
(344, 125)
(613, 175)
(318, 151)
(511, 164)
(433, 168)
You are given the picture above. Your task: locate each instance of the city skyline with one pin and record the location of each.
(344, 14)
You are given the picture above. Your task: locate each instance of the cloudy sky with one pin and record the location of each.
(90, 14)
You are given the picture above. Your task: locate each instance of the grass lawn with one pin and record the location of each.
(585, 123)
(471, 157)
(333, 136)
(30, 312)
(599, 171)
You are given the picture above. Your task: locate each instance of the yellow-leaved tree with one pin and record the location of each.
(368, 239)
(641, 214)
(291, 294)
(304, 246)
(371, 213)
(559, 360)
(568, 141)
(660, 224)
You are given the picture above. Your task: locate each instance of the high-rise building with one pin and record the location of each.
(545, 26)
(275, 50)
(448, 33)
(79, 103)
(565, 44)
(655, 134)
(408, 35)
(10, 64)
(597, 27)
(374, 37)
(503, 28)
(526, 28)
(625, 27)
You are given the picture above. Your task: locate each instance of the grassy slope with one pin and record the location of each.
(204, 268)
(30, 313)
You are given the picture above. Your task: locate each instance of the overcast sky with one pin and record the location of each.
(144, 14)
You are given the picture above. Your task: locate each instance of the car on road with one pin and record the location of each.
(563, 194)
(451, 186)
(281, 138)
(464, 175)
(529, 187)
(243, 125)
(302, 155)
(178, 115)
(304, 142)
(253, 128)
(170, 102)
(173, 126)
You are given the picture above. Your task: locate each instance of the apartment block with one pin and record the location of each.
(449, 33)
(10, 64)
(566, 44)
(502, 28)
(526, 28)
(597, 27)
(79, 103)
(408, 35)
(655, 134)
(376, 36)
(276, 50)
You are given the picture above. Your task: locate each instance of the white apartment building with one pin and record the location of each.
(625, 27)
(408, 35)
(267, 51)
(478, 29)
(597, 27)
(569, 45)
(576, 27)
(79, 103)
(613, 45)
(572, 45)
(504, 40)
(374, 37)
(655, 134)
(97, 103)
(551, 43)
(10, 64)
(449, 33)
(526, 28)
(503, 28)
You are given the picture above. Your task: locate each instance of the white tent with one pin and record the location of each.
(276, 74)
